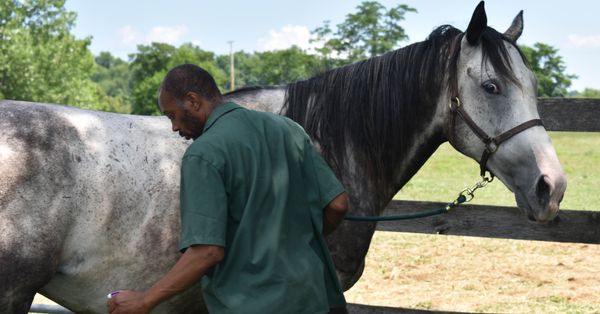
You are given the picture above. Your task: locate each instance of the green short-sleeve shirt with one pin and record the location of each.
(254, 184)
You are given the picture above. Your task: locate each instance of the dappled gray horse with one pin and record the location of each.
(89, 200)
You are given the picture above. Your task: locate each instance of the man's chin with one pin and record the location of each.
(193, 138)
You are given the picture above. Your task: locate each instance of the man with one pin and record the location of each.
(256, 199)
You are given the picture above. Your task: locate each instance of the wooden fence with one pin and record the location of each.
(576, 226)
(558, 114)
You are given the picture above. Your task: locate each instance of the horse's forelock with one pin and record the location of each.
(494, 50)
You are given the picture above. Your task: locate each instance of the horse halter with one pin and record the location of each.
(491, 143)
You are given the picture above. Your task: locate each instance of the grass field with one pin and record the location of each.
(451, 273)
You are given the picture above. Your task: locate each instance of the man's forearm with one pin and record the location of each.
(334, 213)
(192, 265)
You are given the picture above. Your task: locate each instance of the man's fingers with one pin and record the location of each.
(111, 304)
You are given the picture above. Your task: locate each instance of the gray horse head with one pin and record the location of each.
(497, 91)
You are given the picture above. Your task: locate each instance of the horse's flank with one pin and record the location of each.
(89, 199)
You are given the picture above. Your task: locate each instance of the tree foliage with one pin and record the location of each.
(40, 60)
(271, 67)
(151, 63)
(549, 69)
(114, 79)
(586, 93)
(371, 31)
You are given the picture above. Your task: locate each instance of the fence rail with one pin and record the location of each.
(495, 222)
(48, 309)
(570, 114)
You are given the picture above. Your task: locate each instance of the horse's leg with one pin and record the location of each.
(350, 241)
(349, 245)
(20, 278)
(28, 259)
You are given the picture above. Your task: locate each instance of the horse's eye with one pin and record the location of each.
(491, 87)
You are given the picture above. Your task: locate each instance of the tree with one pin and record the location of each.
(271, 67)
(246, 73)
(40, 60)
(586, 93)
(549, 69)
(151, 63)
(114, 78)
(369, 32)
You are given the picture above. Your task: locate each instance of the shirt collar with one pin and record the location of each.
(218, 112)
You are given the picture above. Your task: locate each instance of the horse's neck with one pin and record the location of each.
(422, 145)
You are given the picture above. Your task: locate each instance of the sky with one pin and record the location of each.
(118, 26)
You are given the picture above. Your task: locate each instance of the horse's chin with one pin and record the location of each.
(536, 213)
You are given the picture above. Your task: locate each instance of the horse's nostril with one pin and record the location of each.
(542, 190)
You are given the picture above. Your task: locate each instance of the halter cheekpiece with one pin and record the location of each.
(491, 143)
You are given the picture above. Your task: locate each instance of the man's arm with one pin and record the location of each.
(192, 265)
(334, 213)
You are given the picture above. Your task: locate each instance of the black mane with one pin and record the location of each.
(375, 106)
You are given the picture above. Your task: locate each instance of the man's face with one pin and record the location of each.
(186, 118)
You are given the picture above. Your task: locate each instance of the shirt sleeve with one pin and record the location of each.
(328, 184)
(203, 204)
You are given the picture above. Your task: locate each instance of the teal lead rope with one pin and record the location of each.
(464, 196)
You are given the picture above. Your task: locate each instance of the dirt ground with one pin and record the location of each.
(451, 273)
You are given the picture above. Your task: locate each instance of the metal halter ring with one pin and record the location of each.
(492, 146)
(457, 102)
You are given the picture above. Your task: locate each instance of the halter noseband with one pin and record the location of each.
(491, 143)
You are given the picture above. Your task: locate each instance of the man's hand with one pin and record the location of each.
(192, 265)
(128, 302)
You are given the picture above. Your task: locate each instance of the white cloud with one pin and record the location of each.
(167, 34)
(584, 40)
(197, 42)
(286, 37)
(130, 36)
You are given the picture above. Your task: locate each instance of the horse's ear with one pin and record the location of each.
(477, 25)
(516, 28)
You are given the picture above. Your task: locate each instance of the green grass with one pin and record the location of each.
(552, 304)
(447, 172)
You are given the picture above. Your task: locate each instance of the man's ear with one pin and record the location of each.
(194, 100)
